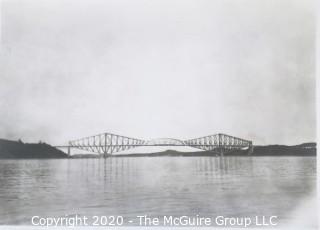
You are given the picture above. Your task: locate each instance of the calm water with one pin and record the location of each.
(235, 186)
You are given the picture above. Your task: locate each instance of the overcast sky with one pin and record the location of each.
(158, 68)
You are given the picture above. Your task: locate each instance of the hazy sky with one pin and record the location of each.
(158, 68)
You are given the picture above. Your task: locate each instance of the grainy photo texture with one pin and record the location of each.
(148, 113)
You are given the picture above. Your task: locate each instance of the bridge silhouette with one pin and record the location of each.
(107, 143)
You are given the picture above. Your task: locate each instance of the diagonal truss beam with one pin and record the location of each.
(106, 143)
(220, 143)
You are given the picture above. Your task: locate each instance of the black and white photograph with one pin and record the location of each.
(142, 114)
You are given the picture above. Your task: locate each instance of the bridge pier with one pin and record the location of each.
(69, 149)
(250, 150)
(106, 155)
(221, 152)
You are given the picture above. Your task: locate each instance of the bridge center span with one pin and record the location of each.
(165, 142)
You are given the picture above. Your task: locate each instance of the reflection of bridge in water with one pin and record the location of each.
(107, 143)
(129, 171)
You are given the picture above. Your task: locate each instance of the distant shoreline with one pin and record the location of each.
(304, 150)
(19, 150)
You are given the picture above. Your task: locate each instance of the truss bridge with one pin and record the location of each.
(107, 144)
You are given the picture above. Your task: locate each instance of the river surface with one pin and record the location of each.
(155, 186)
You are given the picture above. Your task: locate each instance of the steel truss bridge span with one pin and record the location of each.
(108, 143)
